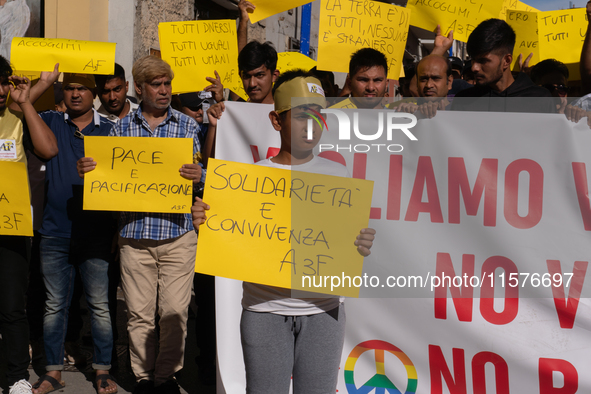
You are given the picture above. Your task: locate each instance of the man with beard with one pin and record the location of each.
(491, 46)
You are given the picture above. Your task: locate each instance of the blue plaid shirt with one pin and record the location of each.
(156, 226)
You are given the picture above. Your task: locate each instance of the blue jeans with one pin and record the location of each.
(59, 258)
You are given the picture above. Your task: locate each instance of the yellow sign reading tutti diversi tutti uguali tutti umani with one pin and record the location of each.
(277, 227)
(195, 49)
(138, 174)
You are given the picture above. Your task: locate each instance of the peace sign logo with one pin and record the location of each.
(379, 382)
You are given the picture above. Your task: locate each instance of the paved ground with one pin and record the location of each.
(79, 380)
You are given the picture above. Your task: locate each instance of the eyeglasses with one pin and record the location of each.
(78, 134)
(562, 89)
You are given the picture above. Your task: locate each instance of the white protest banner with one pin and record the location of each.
(498, 202)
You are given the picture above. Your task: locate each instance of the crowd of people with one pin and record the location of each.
(151, 256)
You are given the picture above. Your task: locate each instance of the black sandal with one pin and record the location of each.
(102, 378)
(55, 385)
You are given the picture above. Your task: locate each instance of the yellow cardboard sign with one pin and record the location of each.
(461, 16)
(266, 8)
(515, 5)
(346, 27)
(291, 60)
(74, 56)
(138, 174)
(561, 34)
(525, 25)
(277, 227)
(15, 203)
(195, 49)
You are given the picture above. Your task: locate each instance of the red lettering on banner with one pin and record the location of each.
(359, 171)
(394, 187)
(547, 366)
(424, 178)
(462, 298)
(567, 309)
(486, 183)
(535, 197)
(479, 376)
(271, 152)
(580, 176)
(438, 367)
(487, 291)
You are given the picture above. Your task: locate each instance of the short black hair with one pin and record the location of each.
(367, 58)
(289, 75)
(102, 79)
(256, 54)
(492, 35)
(5, 69)
(548, 66)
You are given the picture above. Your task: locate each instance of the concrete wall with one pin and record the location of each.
(148, 13)
(77, 19)
(121, 28)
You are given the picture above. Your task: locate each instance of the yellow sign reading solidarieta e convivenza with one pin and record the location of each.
(282, 228)
(15, 202)
(138, 174)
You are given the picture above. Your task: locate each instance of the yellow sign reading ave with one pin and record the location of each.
(138, 174)
(279, 227)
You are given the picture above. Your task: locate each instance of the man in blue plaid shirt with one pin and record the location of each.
(157, 250)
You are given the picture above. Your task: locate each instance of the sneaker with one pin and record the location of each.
(168, 387)
(21, 387)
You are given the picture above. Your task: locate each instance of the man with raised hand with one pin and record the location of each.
(157, 250)
(15, 250)
(257, 65)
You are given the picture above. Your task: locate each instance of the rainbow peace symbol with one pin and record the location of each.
(379, 382)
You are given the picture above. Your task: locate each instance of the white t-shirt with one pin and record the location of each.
(262, 298)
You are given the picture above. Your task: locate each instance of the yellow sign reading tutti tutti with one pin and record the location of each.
(15, 204)
(138, 174)
(74, 56)
(195, 49)
(291, 229)
(347, 27)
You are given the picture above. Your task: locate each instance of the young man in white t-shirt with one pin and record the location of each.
(284, 336)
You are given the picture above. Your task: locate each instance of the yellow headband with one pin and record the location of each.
(299, 91)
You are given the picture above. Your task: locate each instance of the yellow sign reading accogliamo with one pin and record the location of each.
(346, 27)
(195, 49)
(15, 204)
(74, 56)
(138, 174)
(278, 227)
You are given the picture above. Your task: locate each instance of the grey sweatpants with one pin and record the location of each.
(277, 347)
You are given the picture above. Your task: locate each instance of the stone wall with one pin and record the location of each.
(148, 13)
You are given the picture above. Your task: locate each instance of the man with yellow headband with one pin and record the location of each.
(283, 336)
(73, 238)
